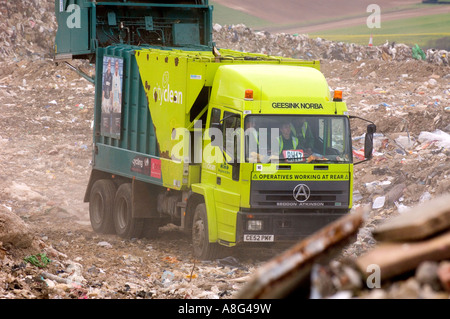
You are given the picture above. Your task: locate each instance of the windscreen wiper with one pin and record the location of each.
(318, 160)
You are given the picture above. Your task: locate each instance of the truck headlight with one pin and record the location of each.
(254, 225)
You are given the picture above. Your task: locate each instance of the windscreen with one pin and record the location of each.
(297, 139)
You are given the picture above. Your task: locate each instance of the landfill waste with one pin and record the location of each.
(242, 38)
(439, 137)
(378, 202)
(410, 260)
(28, 30)
(417, 53)
(38, 260)
(46, 141)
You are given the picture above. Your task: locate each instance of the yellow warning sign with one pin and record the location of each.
(300, 176)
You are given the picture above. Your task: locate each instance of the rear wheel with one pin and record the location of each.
(126, 226)
(203, 249)
(101, 206)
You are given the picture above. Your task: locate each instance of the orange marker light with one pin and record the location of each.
(337, 96)
(248, 95)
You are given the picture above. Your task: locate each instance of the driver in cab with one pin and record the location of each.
(287, 140)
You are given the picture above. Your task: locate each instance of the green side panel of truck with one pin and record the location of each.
(130, 151)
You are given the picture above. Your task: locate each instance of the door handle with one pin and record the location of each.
(218, 181)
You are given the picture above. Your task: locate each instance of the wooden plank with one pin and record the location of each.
(398, 258)
(287, 272)
(420, 222)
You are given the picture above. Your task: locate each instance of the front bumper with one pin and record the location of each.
(284, 227)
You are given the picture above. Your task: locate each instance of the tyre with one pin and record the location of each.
(101, 206)
(125, 225)
(202, 248)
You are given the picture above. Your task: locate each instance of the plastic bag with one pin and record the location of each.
(442, 139)
(417, 53)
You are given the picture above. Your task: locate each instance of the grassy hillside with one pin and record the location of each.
(227, 16)
(426, 31)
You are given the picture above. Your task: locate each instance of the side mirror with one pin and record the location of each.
(368, 142)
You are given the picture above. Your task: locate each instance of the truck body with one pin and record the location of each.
(189, 134)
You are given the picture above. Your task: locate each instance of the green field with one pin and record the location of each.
(431, 31)
(426, 31)
(226, 16)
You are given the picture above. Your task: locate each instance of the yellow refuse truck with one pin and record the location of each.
(235, 148)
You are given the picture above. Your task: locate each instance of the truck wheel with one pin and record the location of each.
(126, 226)
(101, 206)
(203, 249)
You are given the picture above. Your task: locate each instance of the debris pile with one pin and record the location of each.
(411, 260)
(27, 29)
(242, 38)
(415, 162)
(33, 268)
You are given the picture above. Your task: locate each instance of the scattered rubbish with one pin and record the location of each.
(378, 202)
(404, 141)
(427, 274)
(444, 275)
(230, 261)
(7, 207)
(420, 222)
(56, 278)
(396, 258)
(75, 270)
(417, 53)
(38, 260)
(442, 139)
(242, 38)
(422, 260)
(357, 196)
(167, 277)
(425, 197)
(401, 208)
(104, 244)
(431, 83)
(171, 259)
(395, 193)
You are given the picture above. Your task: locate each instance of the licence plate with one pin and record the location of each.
(259, 238)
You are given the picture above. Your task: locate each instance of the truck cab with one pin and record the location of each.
(270, 187)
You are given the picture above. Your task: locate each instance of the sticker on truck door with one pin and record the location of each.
(146, 166)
